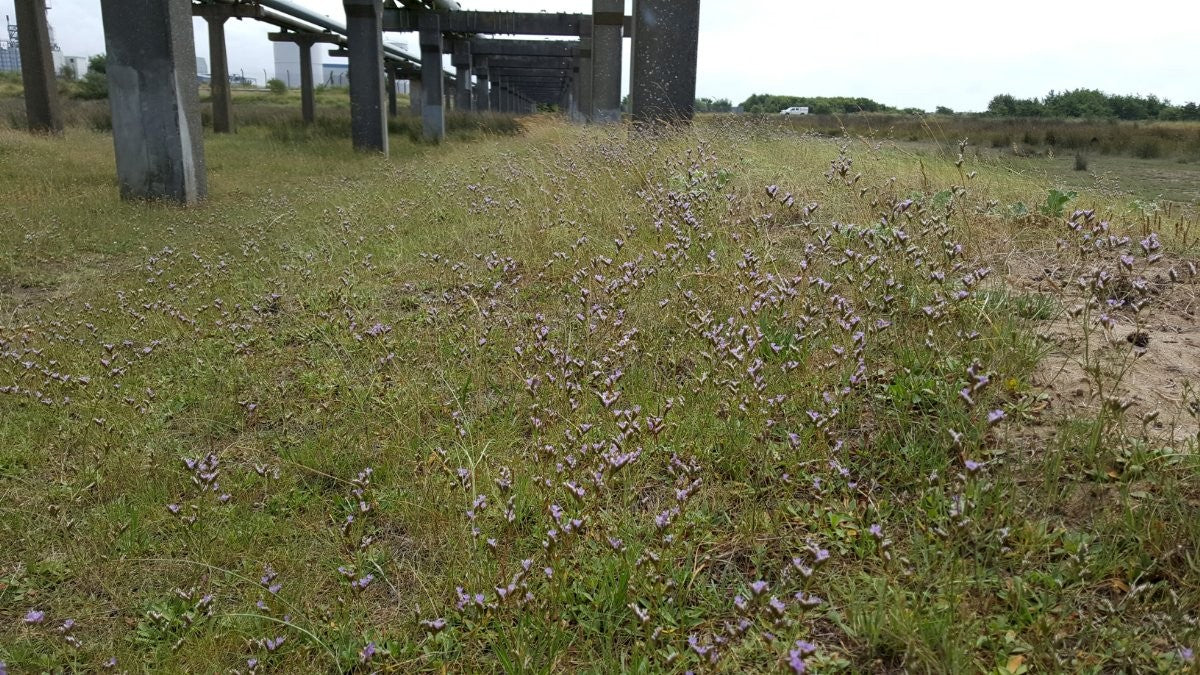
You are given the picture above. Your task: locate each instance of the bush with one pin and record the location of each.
(94, 84)
(1081, 162)
(1149, 148)
(276, 86)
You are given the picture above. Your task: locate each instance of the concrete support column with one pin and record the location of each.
(574, 112)
(494, 95)
(415, 96)
(448, 90)
(391, 89)
(665, 43)
(585, 79)
(153, 98)
(368, 112)
(308, 96)
(433, 112)
(482, 98)
(37, 68)
(462, 72)
(222, 97)
(607, 22)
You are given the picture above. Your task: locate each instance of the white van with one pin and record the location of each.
(795, 110)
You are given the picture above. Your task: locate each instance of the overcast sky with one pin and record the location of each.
(914, 53)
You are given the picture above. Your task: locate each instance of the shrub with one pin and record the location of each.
(1148, 148)
(1081, 162)
(276, 86)
(94, 84)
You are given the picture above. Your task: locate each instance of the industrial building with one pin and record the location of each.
(10, 53)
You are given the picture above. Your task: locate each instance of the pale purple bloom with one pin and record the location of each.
(34, 617)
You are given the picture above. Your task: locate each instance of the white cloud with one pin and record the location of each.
(922, 53)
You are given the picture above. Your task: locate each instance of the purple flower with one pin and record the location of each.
(434, 626)
(995, 417)
(759, 587)
(34, 617)
(367, 653)
(251, 663)
(876, 531)
(972, 465)
(1187, 654)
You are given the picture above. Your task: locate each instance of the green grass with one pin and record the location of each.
(453, 317)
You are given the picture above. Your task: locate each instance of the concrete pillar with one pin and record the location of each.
(415, 95)
(154, 100)
(665, 42)
(494, 95)
(37, 68)
(368, 112)
(222, 97)
(448, 90)
(433, 111)
(482, 97)
(308, 97)
(585, 79)
(462, 72)
(574, 112)
(391, 89)
(607, 22)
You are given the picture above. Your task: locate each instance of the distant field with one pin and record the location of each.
(1020, 136)
(548, 398)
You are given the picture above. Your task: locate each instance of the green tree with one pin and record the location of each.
(95, 83)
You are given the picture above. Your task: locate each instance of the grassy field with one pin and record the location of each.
(728, 399)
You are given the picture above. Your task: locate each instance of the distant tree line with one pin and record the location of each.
(1092, 104)
(817, 105)
(721, 105)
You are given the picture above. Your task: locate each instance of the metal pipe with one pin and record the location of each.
(321, 21)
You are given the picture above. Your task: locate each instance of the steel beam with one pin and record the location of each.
(549, 48)
(503, 71)
(153, 97)
(511, 23)
(368, 111)
(531, 62)
(37, 68)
